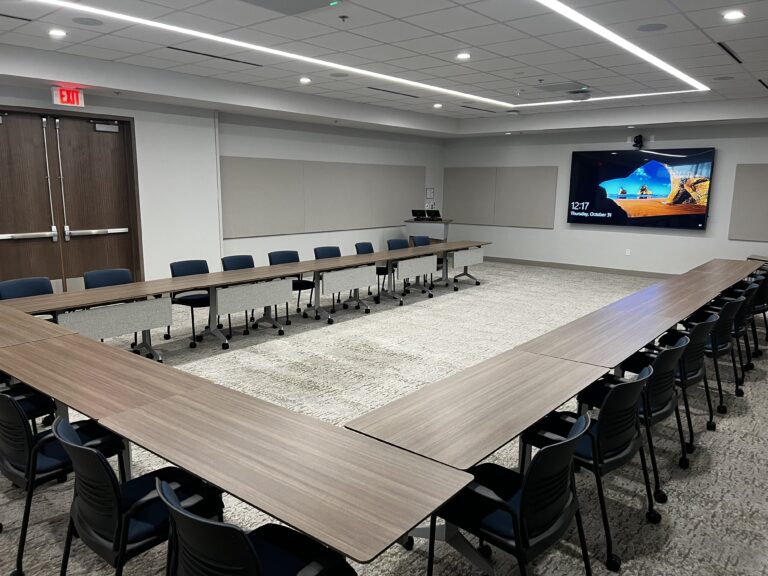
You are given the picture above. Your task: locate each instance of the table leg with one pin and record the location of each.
(523, 455)
(269, 320)
(357, 301)
(450, 534)
(465, 273)
(145, 347)
(125, 459)
(213, 313)
(62, 410)
(445, 269)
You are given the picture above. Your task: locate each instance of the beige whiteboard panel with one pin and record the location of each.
(261, 197)
(335, 196)
(525, 197)
(394, 192)
(469, 194)
(750, 202)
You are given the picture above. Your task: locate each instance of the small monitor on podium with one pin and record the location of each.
(434, 215)
(419, 214)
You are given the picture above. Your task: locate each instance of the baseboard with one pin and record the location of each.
(579, 267)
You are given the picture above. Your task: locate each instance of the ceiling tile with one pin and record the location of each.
(196, 70)
(626, 10)
(384, 52)
(93, 52)
(392, 32)
(195, 22)
(516, 47)
(342, 41)
(254, 37)
(65, 19)
(432, 44)
(492, 64)
(41, 29)
(356, 16)
(146, 61)
(132, 7)
(234, 12)
(570, 39)
(503, 10)
(31, 41)
(547, 57)
(544, 24)
(484, 35)
(122, 44)
(417, 62)
(449, 20)
(403, 8)
(293, 28)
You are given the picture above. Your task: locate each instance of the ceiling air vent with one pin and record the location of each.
(564, 87)
(289, 7)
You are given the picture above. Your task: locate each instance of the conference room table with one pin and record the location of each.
(138, 307)
(16, 328)
(610, 335)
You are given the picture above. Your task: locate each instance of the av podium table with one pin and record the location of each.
(437, 229)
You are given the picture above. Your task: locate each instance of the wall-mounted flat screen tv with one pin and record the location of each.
(654, 188)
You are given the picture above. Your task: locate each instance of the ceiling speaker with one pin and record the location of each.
(289, 7)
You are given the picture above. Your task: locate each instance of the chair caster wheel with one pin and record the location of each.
(722, 409)
(357, 307)
(431, 295)
(345, 306)
(288, 322)
(690, 448)
(653, 517)
(367, 310)
(711, 426)
(133, 345)
(408, 291)
(61, 479)
(423, 291)
(166, 336)
(220, 326)
(298, 310)
(305, 315)
(225, 346)
(740, 392)
(17, 573)
(485, 550)
(408, 545)
(330, 320)
(246, 332)
(317, 316)
(377, 300)
(455, 288)
(47, 421)
(151, 356)
(613, 563)
(749, 366)
(660, 496)
(684, 463)
(199, 338)
(431, 286)
(280, 332)
(136, 351)
(401, 303)
(193, 344)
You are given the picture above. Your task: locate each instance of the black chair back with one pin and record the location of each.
(188, 268)
(97, 506)
(761, 297)
(107, 277)
(744, 313)
(692, 362)
(721, 333)
(618, 424)
(397, 244)
(364, 248)
(237, 262)
(660, 389)
(322, 252)
(205, 547)
(16, 440)
(547, 491)
(283, 257)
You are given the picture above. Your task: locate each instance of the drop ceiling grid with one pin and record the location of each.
(516, 47)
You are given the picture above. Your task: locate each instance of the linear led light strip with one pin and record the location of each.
(552, 4)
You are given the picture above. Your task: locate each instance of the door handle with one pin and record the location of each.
(54, 233)
(95, 232)
(30, 235)
(61, 185)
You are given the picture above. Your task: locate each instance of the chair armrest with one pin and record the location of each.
(313, 569)
(148, 498)
(488, 494)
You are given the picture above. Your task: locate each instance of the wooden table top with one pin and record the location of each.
(19, 328)
(353, 493)
(94, 378)
(608, 336)
(464, 418)
(99, 296)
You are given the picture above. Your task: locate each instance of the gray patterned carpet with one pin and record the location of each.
(716, 521)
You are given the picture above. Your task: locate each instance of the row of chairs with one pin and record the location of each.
(197, 299)
(119, 518)
(526, 512)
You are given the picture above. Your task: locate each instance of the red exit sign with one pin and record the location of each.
(68, 96)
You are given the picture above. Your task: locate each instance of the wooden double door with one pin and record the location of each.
(68, 198)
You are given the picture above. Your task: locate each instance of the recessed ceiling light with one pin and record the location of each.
(630, 126)
(507, 133)
(56, 33)
(437, 105)
(733, 15)
(88, 21)
(614, 153)
(555, 5)
(305, 80)
(463, 56)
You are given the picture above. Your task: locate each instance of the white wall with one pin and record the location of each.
(262, 138)
(178, 182)
(604, 246)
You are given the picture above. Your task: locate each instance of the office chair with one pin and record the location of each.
(760, 306)
(425, 241)
(741, 323)
(199, 546)
(752, 297)
(523, 514)
(299, 284)
(119, 521)
(381, 271)
(611, 441)
(692, 368)
(192, 300)
(110, 277)
(24, 287)
(239, 262)
(30, 460)
(399, 244)
(321, 253)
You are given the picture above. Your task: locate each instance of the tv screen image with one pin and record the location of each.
(656, 188)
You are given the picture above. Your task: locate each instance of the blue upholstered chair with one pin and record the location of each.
(381, 271)
(24, 287)
(321, 253)
(426, 241)
(119, 521)
(238, 262)
(193, 299)
(109, 277)
(299, 284)
(206, 547)
(399, 244)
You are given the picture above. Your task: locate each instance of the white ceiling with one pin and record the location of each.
(519, 48)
